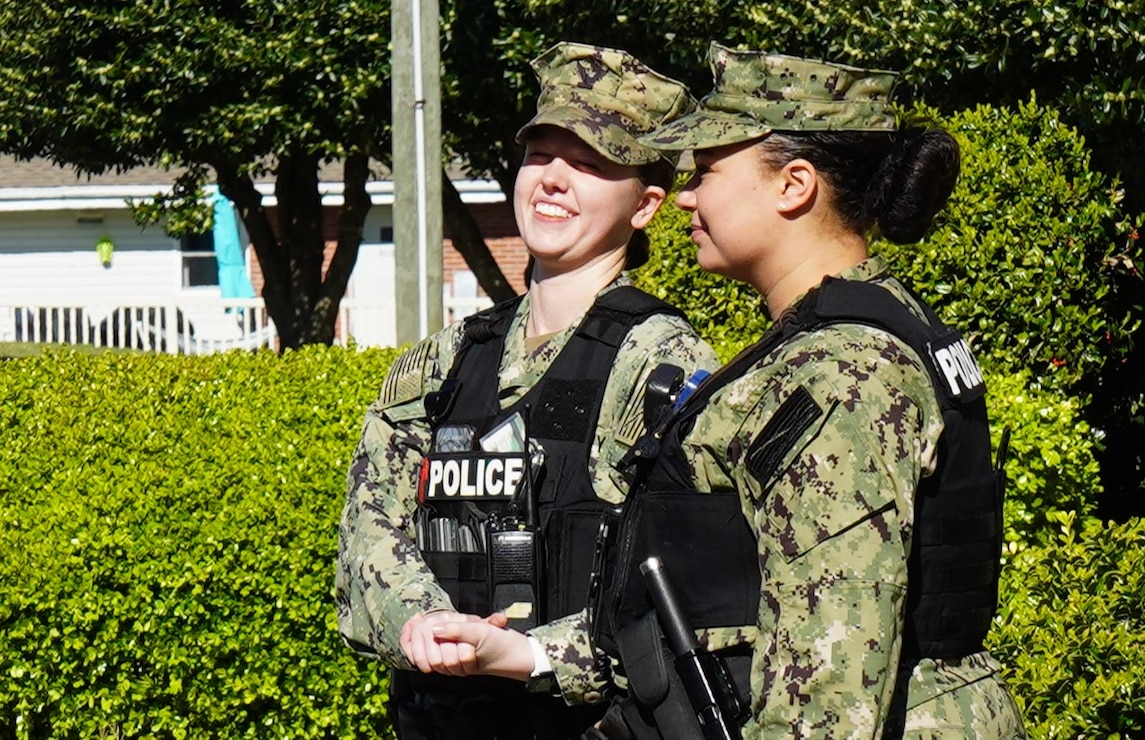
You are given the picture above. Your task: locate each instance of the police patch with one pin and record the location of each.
(958, 371)
(404, 381)
(472, 476)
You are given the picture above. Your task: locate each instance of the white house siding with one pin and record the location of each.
(370, 297)
(49, 258)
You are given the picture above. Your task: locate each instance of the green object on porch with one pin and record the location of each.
(104, 248)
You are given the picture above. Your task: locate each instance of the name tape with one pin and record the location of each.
(470, 476)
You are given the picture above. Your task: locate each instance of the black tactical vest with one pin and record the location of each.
(709, 549)
(561, 413)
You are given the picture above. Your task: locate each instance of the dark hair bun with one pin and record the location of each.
(914, 182)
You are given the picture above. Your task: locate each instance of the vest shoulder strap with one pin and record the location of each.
(617, 311)
(492, 322)
(956, 376)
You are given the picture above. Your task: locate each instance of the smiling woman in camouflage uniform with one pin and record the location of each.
(571, 358)
(840, 468)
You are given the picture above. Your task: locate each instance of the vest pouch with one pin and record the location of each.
(570, 543)
(704, 541)
(464, 576)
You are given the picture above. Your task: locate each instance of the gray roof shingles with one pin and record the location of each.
(43, 173)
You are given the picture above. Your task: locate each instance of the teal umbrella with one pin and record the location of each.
(229, 251)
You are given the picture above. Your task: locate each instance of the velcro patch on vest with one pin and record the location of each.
(565, 409)
(958, 371)
(473, 476)
(404, 381)
(793, 417)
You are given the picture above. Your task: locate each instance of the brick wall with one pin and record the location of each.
(500, 229)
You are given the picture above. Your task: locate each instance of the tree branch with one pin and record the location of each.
(468, 241)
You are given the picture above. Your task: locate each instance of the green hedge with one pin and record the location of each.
(1071, 631)
(170, 527)
(167, 548)
(1051, 465)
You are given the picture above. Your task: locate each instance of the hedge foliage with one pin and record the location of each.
(170, 526)
(1071, 630)
(1051, 468)
(167, 548)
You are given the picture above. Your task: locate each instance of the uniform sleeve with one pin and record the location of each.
(829, 471)
(576, 670)
(660, 339)
(381, 579)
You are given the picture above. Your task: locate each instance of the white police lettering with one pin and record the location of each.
(473, 477)
(957, 364)
(493, 484)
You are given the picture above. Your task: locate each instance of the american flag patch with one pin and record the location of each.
(404, 382)
(631, 426)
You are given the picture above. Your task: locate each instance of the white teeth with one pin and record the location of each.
(552, 209)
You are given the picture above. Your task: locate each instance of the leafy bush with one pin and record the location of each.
(166, 559)
(170, 527)
(1071, 631)
(1050, 466)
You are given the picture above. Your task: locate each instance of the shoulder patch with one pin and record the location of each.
(793, 417)
(404, 381)
(631, 425)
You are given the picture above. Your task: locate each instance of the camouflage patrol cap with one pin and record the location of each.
(608, 98)
(756, 93)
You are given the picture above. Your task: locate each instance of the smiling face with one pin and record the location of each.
(734, 203)
(573, 205)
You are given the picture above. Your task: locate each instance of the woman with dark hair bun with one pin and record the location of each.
(846, 454)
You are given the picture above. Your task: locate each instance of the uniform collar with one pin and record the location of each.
(872, 268)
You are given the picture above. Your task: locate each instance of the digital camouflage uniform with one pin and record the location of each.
(382, 580)
(834, 522)
(606, 97)
(834, 528)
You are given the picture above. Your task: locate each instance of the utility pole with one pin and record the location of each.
(416, 75)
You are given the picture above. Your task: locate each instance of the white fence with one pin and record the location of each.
(194, 326)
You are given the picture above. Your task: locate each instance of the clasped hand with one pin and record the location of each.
(456, 644)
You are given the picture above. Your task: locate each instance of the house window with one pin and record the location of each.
(200, 268)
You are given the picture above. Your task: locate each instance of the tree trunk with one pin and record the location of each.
(302, 302)
(240, 189)
(467, 240)
(351, 222)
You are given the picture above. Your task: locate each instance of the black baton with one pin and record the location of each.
(698, 670)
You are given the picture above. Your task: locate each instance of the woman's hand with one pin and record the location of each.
(495, 650)
(429, 654)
